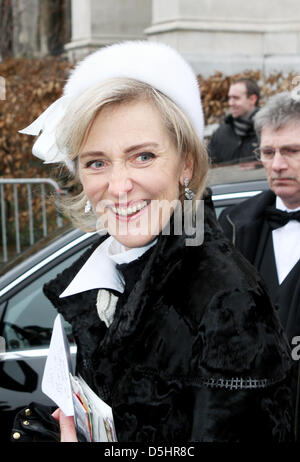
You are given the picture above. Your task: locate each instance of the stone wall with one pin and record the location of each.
(214, 35)
(230, 35)
(97, 23)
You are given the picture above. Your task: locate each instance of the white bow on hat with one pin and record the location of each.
(156, 64)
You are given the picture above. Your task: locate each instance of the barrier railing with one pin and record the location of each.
(24, 216)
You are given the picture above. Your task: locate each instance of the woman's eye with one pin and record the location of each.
(145, 156)
(95, 164)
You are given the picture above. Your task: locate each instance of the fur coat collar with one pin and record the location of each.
(193, 320)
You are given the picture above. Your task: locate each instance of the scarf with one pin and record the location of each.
(243, 126)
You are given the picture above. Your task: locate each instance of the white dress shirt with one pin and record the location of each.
(286, 242)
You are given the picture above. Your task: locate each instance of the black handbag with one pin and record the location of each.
(35, 424)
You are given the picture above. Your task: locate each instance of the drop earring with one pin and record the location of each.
(187, 191)
(88, 207)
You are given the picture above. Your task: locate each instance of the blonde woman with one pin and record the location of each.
(173, 327)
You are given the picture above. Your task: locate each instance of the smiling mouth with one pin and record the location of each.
(125, 211)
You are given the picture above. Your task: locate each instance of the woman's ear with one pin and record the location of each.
(187, 169)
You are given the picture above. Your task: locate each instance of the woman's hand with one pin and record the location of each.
(67, 427)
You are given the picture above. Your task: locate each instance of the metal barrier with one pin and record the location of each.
(29, 182)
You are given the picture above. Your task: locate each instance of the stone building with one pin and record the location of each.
(34, 27)
(225, 35)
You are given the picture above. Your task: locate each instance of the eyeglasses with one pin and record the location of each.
(267, 153)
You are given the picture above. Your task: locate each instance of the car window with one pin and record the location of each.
(29, 315)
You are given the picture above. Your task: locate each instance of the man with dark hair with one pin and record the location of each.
(266, 228)
(251, 88)
(235, 139)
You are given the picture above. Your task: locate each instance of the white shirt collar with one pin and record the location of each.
(100, 272)
(280, 205)
(286, 244)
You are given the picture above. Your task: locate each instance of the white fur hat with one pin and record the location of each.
(153, 63)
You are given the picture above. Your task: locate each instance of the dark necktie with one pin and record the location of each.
(277, 218)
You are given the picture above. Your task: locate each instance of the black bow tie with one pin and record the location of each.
(277, 218)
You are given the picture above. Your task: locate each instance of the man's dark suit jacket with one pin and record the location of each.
(246, 227)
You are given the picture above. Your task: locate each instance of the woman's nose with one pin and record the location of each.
(119, 181)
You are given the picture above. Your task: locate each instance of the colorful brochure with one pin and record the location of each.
(93, 417)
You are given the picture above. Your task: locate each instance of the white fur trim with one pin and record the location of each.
(154, 63)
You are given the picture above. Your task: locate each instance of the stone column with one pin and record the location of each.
(230, 35)
(25, 25)
(39, 27)
(98, 23)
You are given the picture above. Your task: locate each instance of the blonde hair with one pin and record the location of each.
(80, 115)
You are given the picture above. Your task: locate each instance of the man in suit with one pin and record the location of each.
(266, 228)
(235, 139)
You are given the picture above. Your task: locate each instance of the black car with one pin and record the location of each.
(27, 316)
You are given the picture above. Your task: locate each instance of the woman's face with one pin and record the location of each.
(131, 172)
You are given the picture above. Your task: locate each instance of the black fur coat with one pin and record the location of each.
(195, 351)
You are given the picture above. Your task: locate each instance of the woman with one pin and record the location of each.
(178, 337)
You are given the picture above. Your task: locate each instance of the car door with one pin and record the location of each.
(26, 321)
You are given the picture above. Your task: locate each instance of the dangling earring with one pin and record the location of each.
(187, 191)
(88, 207)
